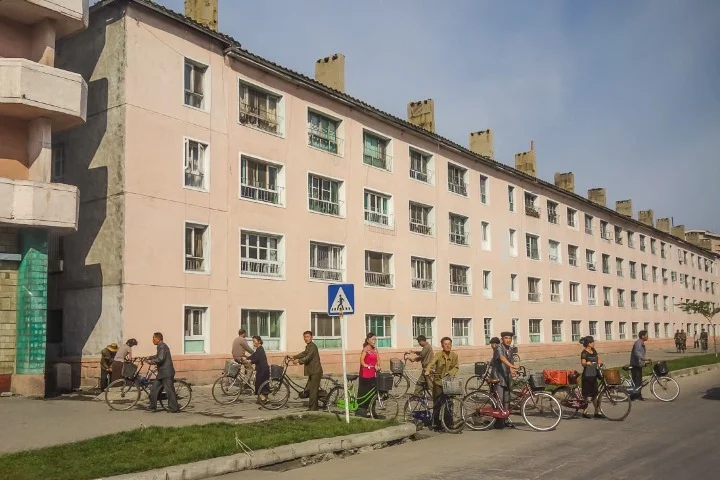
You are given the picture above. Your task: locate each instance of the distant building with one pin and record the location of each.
(705, 239)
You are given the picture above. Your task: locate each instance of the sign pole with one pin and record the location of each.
(343, 326)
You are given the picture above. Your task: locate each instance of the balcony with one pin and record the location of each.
(555, 297)
(423, 283)
(420, 228)
(591, 266)
(324, 139)
(533, 297)
(460, 288)
(324, 206)
(573, 261)
(326, 274)
(34, 204)
(29, 90)
(377, 218)
(459, 238)
(553, 218)
(69, 16)
(421, 175)
(261, 268)
(592, 301)
(261, 192)
(532, 211)
(378, 279)
(457, 187)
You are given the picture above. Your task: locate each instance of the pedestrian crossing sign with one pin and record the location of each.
(341, 299)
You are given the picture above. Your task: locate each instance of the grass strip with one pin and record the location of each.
(156, 447)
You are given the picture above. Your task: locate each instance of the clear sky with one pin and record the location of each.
(625, 94)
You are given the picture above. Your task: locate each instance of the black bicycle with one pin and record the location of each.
(277, 390)
(124, 393)
(419, 408)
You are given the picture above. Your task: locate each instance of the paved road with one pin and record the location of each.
(657, 441)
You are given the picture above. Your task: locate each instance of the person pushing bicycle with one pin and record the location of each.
(423, 356)
(444, 363)
(502, 368)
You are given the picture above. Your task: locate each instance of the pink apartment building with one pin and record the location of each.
(220, 190)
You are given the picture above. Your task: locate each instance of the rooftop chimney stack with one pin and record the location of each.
(678, 231)
(624, 207)
(647, 217)
(663, 224)
(525, 161)
(482, 143)
(598, 195)
(422, 114)
(566, 181)
(330, 71)
(204, 12)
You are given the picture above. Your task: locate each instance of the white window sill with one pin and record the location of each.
(195, 189)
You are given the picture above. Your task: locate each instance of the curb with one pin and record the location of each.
(686, 372)
(238, 462)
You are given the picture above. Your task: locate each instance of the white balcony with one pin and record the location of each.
(34, 204)
(69, 15)
(29, 90)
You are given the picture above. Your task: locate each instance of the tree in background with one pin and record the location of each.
(707, 310)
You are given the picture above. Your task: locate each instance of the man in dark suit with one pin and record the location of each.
(313, 369)
(165, 375)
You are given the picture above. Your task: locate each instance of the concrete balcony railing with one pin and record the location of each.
(29, 90)
(69, 16)
(33, 204)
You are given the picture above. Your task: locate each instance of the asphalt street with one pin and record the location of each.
(677, 440)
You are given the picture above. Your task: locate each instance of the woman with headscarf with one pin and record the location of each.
(124, 354)
(590, 361)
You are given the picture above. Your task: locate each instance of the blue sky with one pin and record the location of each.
(625, 94)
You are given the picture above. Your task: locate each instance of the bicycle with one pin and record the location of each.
(124, 393)
(419, 409)
(481, 410)
(609, 396)
(663, 387)
(402, 379)
(232, 383)
(279, 385)
(380, 403)
(482, 373)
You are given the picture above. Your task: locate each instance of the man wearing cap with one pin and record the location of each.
(106, 359)
(502, 367)
(423, 356)
(444, 363)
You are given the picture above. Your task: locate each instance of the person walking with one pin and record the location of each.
(502, 367)
(590, 361)
(424, 356)
(262, 368)
(124, 354)
(696, 343)
(703, 339)
(677, 341)
(369, 366)
(107, 356)
(444, 363)
(310, 358)
(637, 362)
(165, 378)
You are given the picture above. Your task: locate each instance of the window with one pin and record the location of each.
(259, 181)
(534, 293)
(572, 255)
(461, 331)
(552, 212)
(663, 250)
(608, 330)
(327, 262)
(375, 152)
(459, 279)
(656, 304)
(634, 329)
(422, 273)
(571, 217)
(535, 330)
(604, 232)
(631, 239)
(574, 292)
(665, 303)
(487, 330)
(667, 329)
(420, 166)
(196, 164)
(531, 208)
(606, 263)
(643, 272)
(259, 109)
(515, 322)
(657, 330)
(619, 266)
(531, 246)
(57, 169)
(514, 295)
(652, 246)
(195, 328)
(326, 330)
(324, 195)
(323, 132)
(378, 269)
(487, 284)
(576, 325)
(593, 328)
(618, 235)
(621, 298)
(642, 243)
(513, 243)
(260, 255)
(511, 198)
(590, 259)
(196, 248)
(633, 299)
(420, 219)
(457, 180)
(622, 330)
(556, 291)
(195, 84)
(588, 224)
(654, 274)
(645, 300)
(459, 233)
(592, 300)
(484, 189)
(557, 331)
(554, 251)
(378, 208)
(633, 270)
(607, 296)
(381, 326)
(485, 235)
(423, 326)
(265, 324)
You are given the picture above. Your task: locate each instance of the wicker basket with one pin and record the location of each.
(129, 370)
(612, 377)
(396, 365)
(452, 386)
(480, 368)
(231, 368)
(384, 382)
(276, 372)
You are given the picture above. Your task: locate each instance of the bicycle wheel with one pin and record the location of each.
(451, 415)
(477, 411)
(563, 395)
(122, 394)
(474, 384)
(665, 389)
(416, 412)
(515, 359)
(277, 396)
(226, 390)
(541, 411)
(384, 407)
(183, 392)
(614, 403)
(335, 402)
(401, 385)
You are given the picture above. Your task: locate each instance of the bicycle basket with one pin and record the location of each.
(276, 372)
(396, 365)
(452, 386)
(612, 377)
(129, 370)
(231, 368)
(661, 369)
(384, 382)
(480, 368)
(513, 350)
(536, 382)
(556, 377)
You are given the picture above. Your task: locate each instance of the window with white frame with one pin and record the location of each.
(376, 151)
(643, 272)
(484, 188)
(381, 326)
(196, 247)
(423, 326)
(378, 208)
(459, 231)
(574, 292)
(535, 330)
(457, 179)
(666, 307)
(378, 269)
(642, 242)
(327, 262)
(459, 279)
(667, 330)
(571, 217)
(265, 324)
(553, 216)
(556, 291)
(261, 181)
(590, 259)
(573, 255)
(633, 270)
(633, 299)
(260, 109)
(485, 235)
(589, 224)
(621, 298)
(511, 198)
(655, 274)
(656, 302)
(531, 205)
(514, 293)
(622, 330)
(513, 243)
(421, 166)
(604, 231)
(487, 284)
(324, 195)
(557, 330)
(261, 255)
(646, 301)
(631, 238)
(326, 330)
(605, 263)
(421, 217)
(607, 296)
(195, 74)
(653, 249)
(554, 254)
(657, 330)
(532, 246)
(461, 331)
(515, 322)
(618, 235)
(323, 132)
(592, 328)
(619, 266)
(487, 330)
(534, 293)
(423, 276)
(591, 298)
(576, 326)
(195, 340)
(196, 164)
(634, 327)
(608, 330)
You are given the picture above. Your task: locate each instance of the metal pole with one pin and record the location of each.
(343, 339)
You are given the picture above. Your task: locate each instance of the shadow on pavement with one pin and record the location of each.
(712, 394)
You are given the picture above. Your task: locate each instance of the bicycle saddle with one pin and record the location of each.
(493, 381)
(351, 377)
(573, 376)
(627, 367)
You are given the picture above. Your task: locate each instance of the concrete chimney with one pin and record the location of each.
(482, 143)
(422, 114)
(663, 224)
(678, 231)
(693, 237)
(624, 207)
(647, 217)
(525, 162)
(330, 71)
(566, 181)
(204, 12)
(598, 195)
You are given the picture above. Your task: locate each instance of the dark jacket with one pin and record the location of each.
(163, 360)
(311, 359)
(259, 358)
(106, 359)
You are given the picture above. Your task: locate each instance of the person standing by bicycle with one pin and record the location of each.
(262, 368)
(444, 363)
(165, 378)
(590, 361)
(502, 367)
(703, 339)
(423, 356)
(683, 340)
(637, 362)
(369, 366)
(310, 358)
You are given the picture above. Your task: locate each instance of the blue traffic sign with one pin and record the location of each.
(341, 299)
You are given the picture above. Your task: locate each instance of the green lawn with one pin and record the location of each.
(156, 447)
(685, 362)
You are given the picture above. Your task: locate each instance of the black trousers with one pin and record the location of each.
(364, 386)
(167, 385)
(104, 379)
(636, 373)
